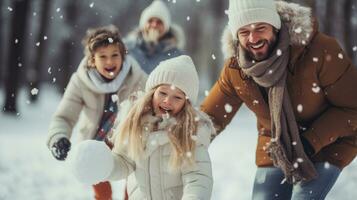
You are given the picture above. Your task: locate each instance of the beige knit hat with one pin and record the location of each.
(180, 72)
(156, 9)
(244, 12)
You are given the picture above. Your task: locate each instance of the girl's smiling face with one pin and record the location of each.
(168, 99)
(108, 61)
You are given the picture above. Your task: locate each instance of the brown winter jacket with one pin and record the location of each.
(322, 86)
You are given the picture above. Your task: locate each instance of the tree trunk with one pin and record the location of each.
(35, 70)
(67, 49)
(16, 49)
(330, 11)
(1, 39)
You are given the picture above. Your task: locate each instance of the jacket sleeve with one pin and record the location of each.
(338, 79)
(123, 166)
(67, 112)
(222, 95)
(197, 181)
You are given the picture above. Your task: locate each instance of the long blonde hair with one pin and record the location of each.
(181, 134)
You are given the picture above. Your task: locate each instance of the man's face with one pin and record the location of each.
(154, 29)
(258, 40)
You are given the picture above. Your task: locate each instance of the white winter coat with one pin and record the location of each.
(81, 96)
(153, 180)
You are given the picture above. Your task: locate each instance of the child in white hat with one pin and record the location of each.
(163, 140)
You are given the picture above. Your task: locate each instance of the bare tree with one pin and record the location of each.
(16, 49)
(35, 70)
(1, 38)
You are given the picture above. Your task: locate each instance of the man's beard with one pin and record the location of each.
(259, 56)
(151, 36)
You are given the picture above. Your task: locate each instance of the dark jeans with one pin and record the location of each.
(268, 184)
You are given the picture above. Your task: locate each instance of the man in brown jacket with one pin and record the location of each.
(302, 88)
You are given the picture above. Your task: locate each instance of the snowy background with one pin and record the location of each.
(28, 170)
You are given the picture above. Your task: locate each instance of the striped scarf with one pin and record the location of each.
(108, 117)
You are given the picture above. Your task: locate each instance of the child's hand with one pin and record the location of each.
(60, 148)
(91, 161)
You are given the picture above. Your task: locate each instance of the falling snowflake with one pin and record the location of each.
(115, 98)
(228, 108)
(188, 18)
(326, 165)
(61, 16)
(44, 37)
(198, 0)
(19, 64)
(315, 59)
(9, 8)
(34, 91)
(315, 88)
(54, 80)
(213, 57)
(110, 40)
(16, 41)
(206, 92)
(299, 160)
(34, 13)
(255, 102)
(49, 70)
(194, 137)
(340, 56)
(91, 5)
(58, 9)
(354, 48)
(296, 165)
(173, 1)
(303, 42)
(253, 61)
(38, 44)
(270, 71)
(299, 108)
(283, 181)
(298, 30)
(197, 119)
(294, 143)
(111, 73)
(188, 154)
(278, 52)
(226, 12)
(28, 102)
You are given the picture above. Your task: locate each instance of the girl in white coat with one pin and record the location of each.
(104, 79)
(161, 145)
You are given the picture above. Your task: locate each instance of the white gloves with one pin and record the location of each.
(91, 161)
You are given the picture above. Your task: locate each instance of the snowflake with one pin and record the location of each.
(326, 165)
(16, 41)
(228, 108)
(34, 91)
(198, 0)
(54, 80)
(91, 5)
(278, 52)
(296, 165)
(111, 73)
(270, 71)
(340, 56)
(38, 44)
(44, 37)
(194, 137)
(315, 59)
(299, 160)
(354, 48)
(315, 88)
(213, 57)
(188, 154)
(110, 40)
(34, 13)
(58, 9)
(114, 98)
(255, 102)
(197, 119)
(294, 143)
(226, 12)
(19, 64)
(299, 108)
(49, 70)
(188, 18)
(9, 8)
(172, 87)
(206, 92)
(298, 30)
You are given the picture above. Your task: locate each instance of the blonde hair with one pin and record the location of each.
(102, 37)
(131, 132)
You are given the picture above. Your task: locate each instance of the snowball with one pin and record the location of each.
(228, 108)
(213, 57)
(90, 161)
(299, 108)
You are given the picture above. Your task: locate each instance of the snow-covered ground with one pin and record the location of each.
(28, 171)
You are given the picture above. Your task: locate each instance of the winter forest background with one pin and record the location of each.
(40, 47)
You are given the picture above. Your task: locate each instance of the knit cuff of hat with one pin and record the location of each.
(238, 20)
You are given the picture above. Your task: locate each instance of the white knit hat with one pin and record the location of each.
(156, 9)
(244, 12)
(180, 72)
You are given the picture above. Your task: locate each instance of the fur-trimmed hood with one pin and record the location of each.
(177, 40)
(297, 18)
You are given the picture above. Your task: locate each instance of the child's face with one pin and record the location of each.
(168, 100)
(108, 61)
